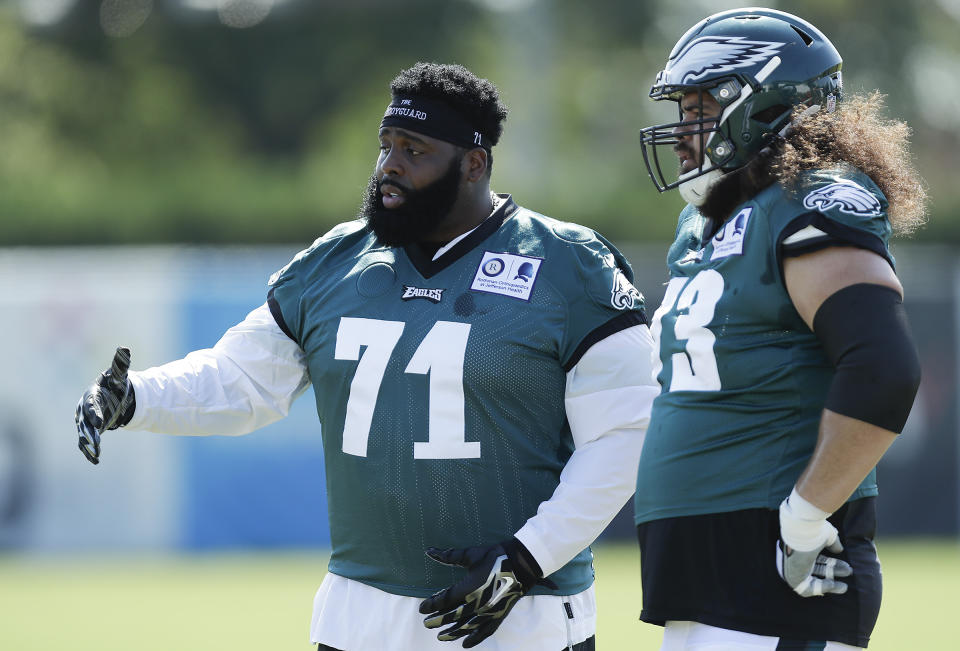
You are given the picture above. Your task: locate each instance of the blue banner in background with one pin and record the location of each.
(264, 489)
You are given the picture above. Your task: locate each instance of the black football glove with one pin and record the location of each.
(497, 576)
(107, 404)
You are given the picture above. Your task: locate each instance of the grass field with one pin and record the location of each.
(262, 602)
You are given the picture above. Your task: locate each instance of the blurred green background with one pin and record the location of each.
(238, 121)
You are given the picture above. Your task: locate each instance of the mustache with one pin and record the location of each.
(684, 148)
(418, 216)
(386, 180)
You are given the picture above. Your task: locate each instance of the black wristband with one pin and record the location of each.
(866, 336)
(526, 568)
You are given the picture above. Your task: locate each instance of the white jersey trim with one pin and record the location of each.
(806, 233)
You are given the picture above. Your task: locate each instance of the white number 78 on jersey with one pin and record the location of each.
(694, 369)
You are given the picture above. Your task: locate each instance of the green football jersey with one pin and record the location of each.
(440, 384)
(743, 379)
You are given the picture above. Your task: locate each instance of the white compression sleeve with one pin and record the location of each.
(608, 399)
(247, 380)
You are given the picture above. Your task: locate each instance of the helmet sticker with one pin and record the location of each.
(710, 55)
(846, 196)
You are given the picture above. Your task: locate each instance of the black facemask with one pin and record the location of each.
(419, 214)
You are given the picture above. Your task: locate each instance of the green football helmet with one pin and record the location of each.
(759, 65)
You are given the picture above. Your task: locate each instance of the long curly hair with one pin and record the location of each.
(857, 134)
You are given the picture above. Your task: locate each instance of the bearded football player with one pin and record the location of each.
(483, 379)
(786, 361)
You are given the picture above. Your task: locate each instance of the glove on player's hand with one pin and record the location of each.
(107, 404)
(497, 576)
(804, 535)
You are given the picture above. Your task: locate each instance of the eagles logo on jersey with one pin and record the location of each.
(624, 295)
(846, 196)
(431, 294)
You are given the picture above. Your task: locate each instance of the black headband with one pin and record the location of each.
(433, 118)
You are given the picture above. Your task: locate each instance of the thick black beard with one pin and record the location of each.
(740, 185)
(421, 212)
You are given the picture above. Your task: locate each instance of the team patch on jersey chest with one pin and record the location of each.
(431, 294)
(729, 239)
(507, 274)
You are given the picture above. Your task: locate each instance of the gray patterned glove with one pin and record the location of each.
(108, 404)
(804, 535)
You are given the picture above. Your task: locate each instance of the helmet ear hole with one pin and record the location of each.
(771, 114)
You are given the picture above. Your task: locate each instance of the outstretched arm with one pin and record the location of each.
(247, 380)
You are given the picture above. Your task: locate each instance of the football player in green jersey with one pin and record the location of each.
(483, 378)
(785, 359)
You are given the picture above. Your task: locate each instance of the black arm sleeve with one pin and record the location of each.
(866, 336)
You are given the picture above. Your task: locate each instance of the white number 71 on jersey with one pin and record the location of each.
(441, 354)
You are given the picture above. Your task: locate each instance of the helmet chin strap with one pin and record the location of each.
(695, 190)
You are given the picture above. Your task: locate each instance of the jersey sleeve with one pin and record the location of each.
(287, 285)
(283, 297)
(601, 298)
(840, 208)
(249, 379)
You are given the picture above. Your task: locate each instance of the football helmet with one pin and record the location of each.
(759, 65)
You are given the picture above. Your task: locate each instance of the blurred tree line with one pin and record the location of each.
(184, 129)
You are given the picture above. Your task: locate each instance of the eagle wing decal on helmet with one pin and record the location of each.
(715, 54)
(846, 196)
